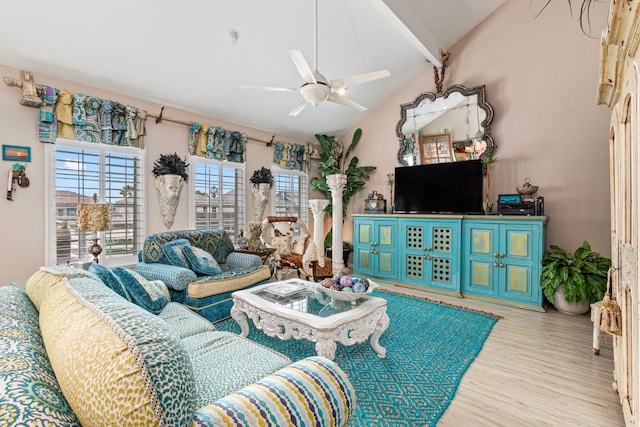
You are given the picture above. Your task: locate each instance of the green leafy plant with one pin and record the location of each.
(333, 159)
(583, 273)
(262, 176)
(170, 164)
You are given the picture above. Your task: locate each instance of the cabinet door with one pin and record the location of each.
(362, 246)
(517, 252)
(430, 253)
(375, 247)
(479, 246)
(385, 249)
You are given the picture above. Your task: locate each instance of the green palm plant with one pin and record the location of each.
(333, 159)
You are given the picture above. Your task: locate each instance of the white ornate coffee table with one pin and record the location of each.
(312, 315)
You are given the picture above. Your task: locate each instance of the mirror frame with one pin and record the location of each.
(482, 103)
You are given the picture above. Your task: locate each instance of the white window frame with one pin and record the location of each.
(50, 198)
(242, 209)
(304, 204)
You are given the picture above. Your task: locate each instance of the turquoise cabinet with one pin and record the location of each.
(430, 253)
(495, 258)
(375, 247)
(501, 260)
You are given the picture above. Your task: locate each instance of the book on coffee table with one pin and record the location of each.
(285, 289)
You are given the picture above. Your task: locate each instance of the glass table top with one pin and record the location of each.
(307, 300)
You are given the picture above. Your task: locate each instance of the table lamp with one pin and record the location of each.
(94, 217)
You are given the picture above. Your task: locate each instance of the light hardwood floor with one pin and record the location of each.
(535, 369)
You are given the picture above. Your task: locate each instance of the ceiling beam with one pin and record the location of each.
(403, 18)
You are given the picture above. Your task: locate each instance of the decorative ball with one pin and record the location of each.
(339, 275)
(365, 282)
(337, 287)
(326, 283)
(347, 289)
(359, 287)
(346, 281)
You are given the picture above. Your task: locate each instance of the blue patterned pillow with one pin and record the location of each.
(202, 261)
(110, 279)
(145, 293)
(173, 251)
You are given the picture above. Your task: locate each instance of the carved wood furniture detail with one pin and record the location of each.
(619, 89)
(289, 319)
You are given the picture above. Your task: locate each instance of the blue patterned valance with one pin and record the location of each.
(292, 156)
(68, 115)
(217, 143)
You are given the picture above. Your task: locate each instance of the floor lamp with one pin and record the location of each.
(94, 217)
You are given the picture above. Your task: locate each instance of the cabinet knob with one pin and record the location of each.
(501, 255)
(375, 243)
(429, 249)
(429, 257)
(425, 257)
(495, 264)
(495, 254)
(502, 265)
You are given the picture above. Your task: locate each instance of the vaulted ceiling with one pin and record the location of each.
(183, 54)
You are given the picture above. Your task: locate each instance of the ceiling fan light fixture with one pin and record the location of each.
(315, 93)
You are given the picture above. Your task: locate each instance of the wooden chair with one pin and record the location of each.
(294, 249)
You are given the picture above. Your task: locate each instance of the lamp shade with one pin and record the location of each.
(94, 217)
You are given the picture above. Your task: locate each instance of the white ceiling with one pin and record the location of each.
(178, 53)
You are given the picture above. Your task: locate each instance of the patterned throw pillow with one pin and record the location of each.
(282, 244)
(202, 261)
(110, 279)
(299, 244)
(173, 251)
(145, 293)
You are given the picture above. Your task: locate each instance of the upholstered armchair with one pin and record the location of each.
(294, 249)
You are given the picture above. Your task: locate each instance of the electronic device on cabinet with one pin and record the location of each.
(514, 204)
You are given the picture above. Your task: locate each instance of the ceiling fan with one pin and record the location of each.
(316, 88)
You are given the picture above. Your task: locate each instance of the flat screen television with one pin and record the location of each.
(439, 188)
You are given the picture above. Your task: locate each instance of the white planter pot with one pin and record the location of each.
(574, 308)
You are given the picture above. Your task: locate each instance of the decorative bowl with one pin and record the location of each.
(348, 296)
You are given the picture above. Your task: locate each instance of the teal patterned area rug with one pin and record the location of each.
(429, 348)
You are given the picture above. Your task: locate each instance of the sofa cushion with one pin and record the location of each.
(144, 292)
(114, 361)
(183, 321)
(174, 252)
(201, 261)
(216, 242)
(217, 368)
(29, 392)
(111, 280)
(227, 281)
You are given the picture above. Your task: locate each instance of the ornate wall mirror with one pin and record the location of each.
(460, 112)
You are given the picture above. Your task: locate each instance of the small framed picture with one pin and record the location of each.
(436, 149)
(16, 153)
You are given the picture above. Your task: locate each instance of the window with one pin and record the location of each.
(217, 195)
(290, 194)
(82, 172)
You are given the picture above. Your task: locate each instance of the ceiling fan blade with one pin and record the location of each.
(346, 82)
(302, 66)
(347, 102)
(277, 89)
(298, 108)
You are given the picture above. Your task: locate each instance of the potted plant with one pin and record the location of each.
(573, 281)
(333, 159)
(487, 205)
(170, 172)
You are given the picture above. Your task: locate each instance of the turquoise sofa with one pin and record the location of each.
(207, 295)
(74, 352)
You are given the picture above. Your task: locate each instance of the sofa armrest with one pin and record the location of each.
(311, 392)
(176, 278)
(248, 261)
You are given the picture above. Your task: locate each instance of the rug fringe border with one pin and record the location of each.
(448, 304)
